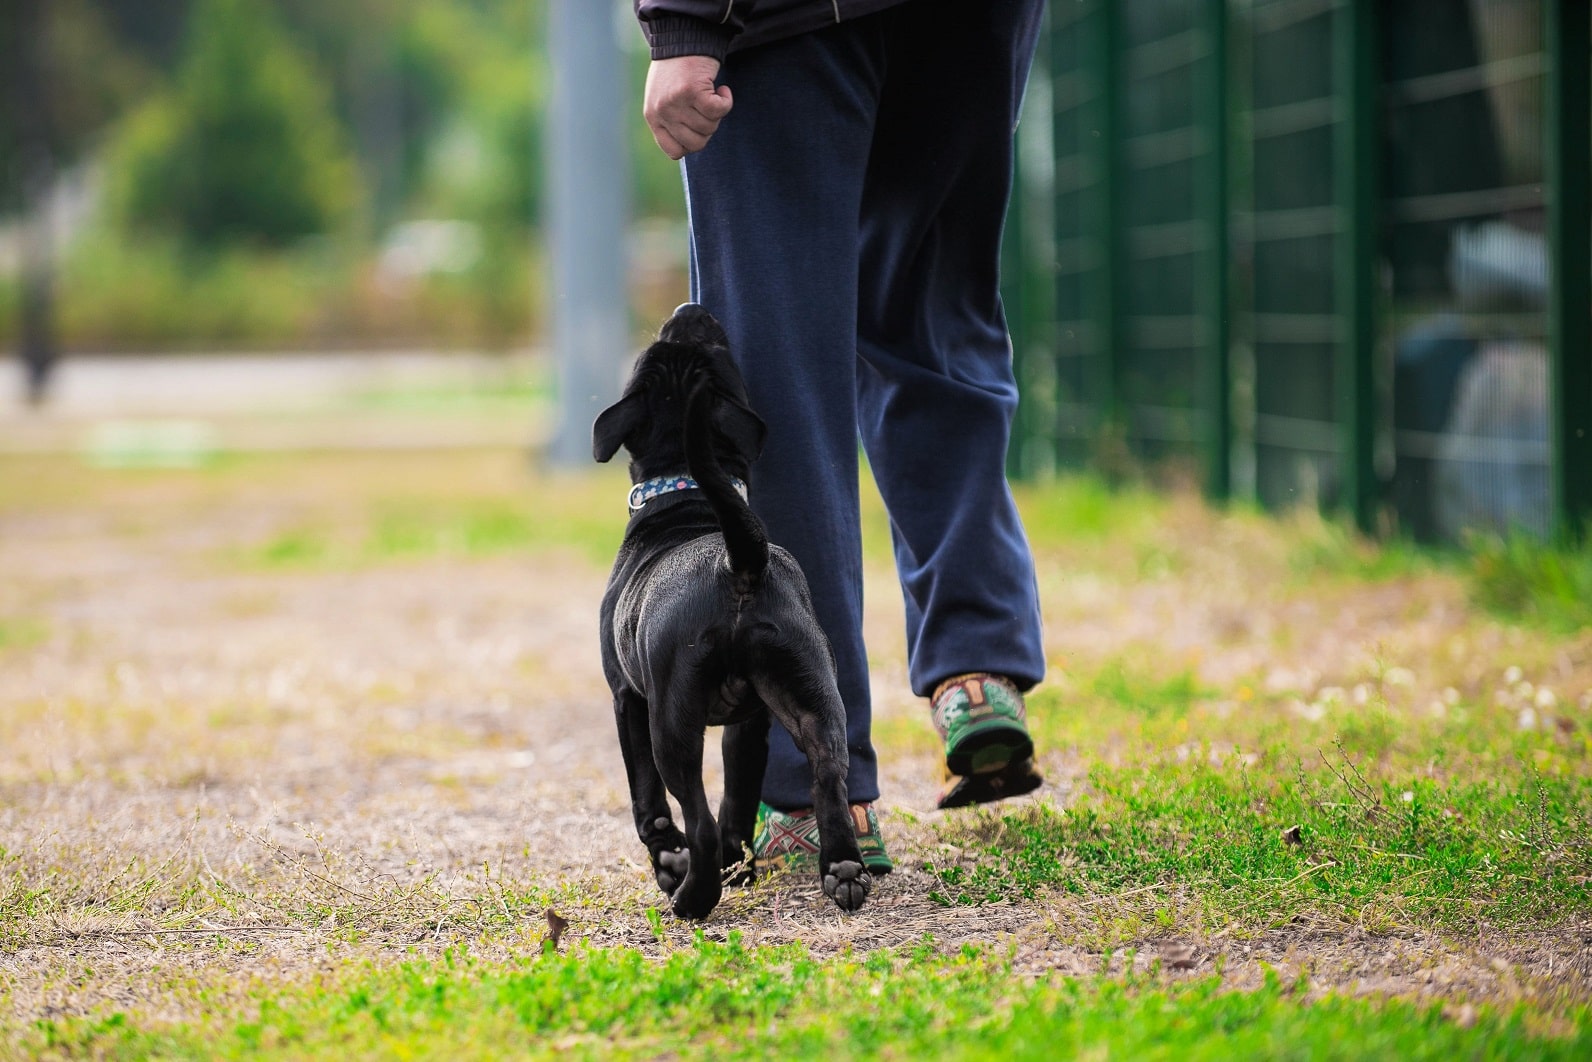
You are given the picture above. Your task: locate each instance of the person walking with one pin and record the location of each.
(847, 165)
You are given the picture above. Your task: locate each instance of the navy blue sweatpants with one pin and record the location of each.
(845, 228)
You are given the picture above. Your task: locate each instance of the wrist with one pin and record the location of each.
(677, 36)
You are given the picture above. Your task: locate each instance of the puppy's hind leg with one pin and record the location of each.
(648, 804)
(679, 759)
(745, 748)
(808, 705)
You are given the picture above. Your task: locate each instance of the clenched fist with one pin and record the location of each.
(682, 105)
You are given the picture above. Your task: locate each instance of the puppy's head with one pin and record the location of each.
(649, 420)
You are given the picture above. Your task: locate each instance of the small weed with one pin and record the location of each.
(1523, 579)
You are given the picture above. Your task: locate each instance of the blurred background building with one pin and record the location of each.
(1321, 252)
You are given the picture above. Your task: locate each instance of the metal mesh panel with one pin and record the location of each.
(1390, 304)
(1291, 245)
(1077, 104)
(1463, 221)
(1162, 143)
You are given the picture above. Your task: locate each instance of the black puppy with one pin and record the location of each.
(704, 623)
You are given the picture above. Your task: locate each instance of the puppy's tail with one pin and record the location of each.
(745, 538)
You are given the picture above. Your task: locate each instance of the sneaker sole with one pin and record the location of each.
(989, 748)
(1015, 779)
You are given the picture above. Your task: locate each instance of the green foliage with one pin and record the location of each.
(655, 177)
(484, 161)
(245, 148)
(97, 76)
(1522, 578)
(149, 291)
(731, 1001)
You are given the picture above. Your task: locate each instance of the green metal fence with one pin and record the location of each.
(1322, 252)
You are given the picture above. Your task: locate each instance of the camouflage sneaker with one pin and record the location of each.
(988, 753)
(788, 840)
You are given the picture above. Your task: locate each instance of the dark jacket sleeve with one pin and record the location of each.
(690, 27)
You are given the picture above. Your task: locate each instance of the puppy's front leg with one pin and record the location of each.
(648, 804)
(678, 750)
(745, 748)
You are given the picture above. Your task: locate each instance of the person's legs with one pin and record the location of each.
(936, 393)
(774, 202)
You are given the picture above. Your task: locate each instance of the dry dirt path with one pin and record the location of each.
(393, 746)
(214, 772)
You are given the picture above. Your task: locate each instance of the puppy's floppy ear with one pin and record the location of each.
(616, 424)
(744, 428)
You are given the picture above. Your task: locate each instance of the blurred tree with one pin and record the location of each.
(69, 76)
(357, 43)
(30, 138)
(655, 178)
(484, 162)
(245, 148)
(152, 30)
(65, 78)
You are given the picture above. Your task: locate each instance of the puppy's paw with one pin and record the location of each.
(670, 869)
(696, 898)
(847, 883)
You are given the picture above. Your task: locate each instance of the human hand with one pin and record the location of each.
(682, 105)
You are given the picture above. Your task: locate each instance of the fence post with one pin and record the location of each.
(1105, 300)
(1354, 281)
(587, 204)
(1213, 284)
(1569, 150)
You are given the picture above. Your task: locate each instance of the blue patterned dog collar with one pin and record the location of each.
(649, 489)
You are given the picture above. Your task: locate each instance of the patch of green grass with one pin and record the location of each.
(1069, 511)
(1136, 692)
(1128, 707)
(1333, 548)
(731, 1001)
(1523, 579)
(1252, 845)
(399, 530)
(1085, 507)
(22, 632)
(511, 394)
